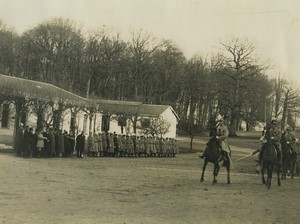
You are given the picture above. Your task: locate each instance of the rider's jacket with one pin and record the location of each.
(275, 134)
(291, 140)
(222, 132)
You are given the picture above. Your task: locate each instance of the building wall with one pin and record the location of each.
(169, 116)
(83, 124)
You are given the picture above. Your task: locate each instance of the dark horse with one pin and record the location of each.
(215, 155)
(269, 161)
(289, 158)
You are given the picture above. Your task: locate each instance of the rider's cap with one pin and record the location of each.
(219, 118)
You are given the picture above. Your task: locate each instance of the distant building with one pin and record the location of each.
(78, 113)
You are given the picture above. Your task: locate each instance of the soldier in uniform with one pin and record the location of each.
(221, 136)
(275, 139)
(290, 139)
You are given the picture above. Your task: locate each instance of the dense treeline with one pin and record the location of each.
(146, 69)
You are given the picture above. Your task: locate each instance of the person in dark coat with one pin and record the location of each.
(66, 144)
(52, 145)
(34, 142)
(61, 144)
(80, 142)
(19, 140)
(116, 144)
(27, 143)
(46, 150)
(71, 142)
(57, 142)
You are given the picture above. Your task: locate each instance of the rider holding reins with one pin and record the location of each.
(221, 136)
(275, 134)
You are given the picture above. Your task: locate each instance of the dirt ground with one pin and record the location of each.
(140, 190)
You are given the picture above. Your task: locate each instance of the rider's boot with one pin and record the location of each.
(260, 156)
(203, 154)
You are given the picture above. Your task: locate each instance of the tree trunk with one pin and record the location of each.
(191, 142)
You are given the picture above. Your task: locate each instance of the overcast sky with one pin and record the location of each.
(196, 26)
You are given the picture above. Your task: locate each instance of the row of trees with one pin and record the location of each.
(101, 65)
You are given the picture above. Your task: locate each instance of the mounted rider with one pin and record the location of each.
(290, 139)
(275, 135)
(221, 133)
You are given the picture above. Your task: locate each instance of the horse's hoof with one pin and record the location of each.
(214, 182)
(201, 180)
(228, 182)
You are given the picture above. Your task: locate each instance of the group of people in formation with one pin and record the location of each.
(121, 145)
(51, 143)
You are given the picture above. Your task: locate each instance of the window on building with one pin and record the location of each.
(5, 116)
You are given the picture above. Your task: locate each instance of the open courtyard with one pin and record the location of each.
(142, 190)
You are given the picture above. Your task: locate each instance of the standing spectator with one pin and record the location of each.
(32, 145)
(45, 151)
(34, 142)
(90, 144)
(111, 144)
(80, 142)
(121, 145)
(100, 146)
(40, 143)
(104, 143)
(130, 146)
(135, 146)
(27, 143)
(61, 143)
(147, 146)
(19, 141)
(57, 142)
(152, 146)
(116, 144)
(66, 144)
(95, 151)
(138, 145)
(71, 142)
(51, 143)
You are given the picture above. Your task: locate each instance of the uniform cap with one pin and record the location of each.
(220, 118)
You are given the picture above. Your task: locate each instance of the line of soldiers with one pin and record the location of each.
(118, 145)
(51, 143)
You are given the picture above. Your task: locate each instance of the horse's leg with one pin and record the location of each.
(216, 171)
(203, 170)
(293, 168)
(278, 176)
(270, 173)
(228, 169)
(263, 173)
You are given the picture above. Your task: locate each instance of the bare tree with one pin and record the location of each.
(241, 67)
(157, 127)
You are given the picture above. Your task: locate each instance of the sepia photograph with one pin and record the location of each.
(149, 112)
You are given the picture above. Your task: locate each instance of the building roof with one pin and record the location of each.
(30, 89)
(132, 108)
